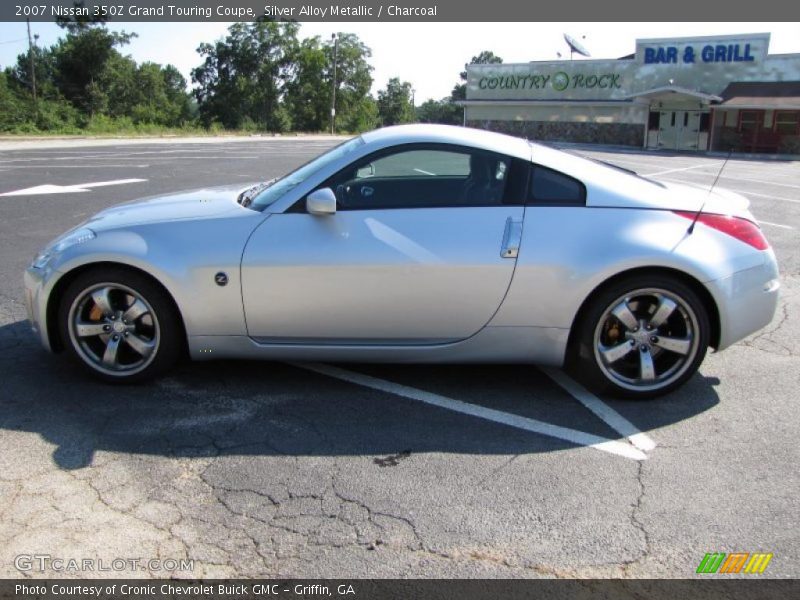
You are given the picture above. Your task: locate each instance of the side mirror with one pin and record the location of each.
(321, 202)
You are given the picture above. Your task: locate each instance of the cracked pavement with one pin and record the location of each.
(266, 470)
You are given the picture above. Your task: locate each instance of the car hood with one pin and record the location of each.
(192, 204)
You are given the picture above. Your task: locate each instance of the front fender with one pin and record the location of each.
(183, 257)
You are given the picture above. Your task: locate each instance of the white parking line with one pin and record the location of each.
(84, 166)
(743, 192)
(681, 169)
(760, 222)
(423, 172)
(794, 200)
(611, 417)
(579, 438)
(734, 178)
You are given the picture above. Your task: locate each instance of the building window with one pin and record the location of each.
(750, 120)
(653, 120)
(787, 122)
(705, 120)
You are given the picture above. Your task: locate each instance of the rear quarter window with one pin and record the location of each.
(551, 187)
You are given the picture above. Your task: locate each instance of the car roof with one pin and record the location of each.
(449, 134)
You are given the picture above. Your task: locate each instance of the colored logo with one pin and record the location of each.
(560, 81)
(736, 562)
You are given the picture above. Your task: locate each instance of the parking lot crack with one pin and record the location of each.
(494, 472)
(765, 342)
(636, 520)
(375, 518)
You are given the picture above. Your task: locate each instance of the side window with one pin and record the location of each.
(551, 187)
(413, 163)
(423, 177)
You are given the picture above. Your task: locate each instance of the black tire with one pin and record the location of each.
(150, 338)
(601, 336)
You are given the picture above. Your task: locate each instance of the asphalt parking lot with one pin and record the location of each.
(271, 469)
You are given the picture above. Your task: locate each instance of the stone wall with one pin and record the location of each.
(616, 134)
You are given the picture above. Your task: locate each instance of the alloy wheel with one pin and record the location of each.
(114, 329)
(646, 339)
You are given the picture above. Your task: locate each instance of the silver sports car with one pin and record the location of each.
(416, 244)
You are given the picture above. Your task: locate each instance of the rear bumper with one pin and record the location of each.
(746, 300)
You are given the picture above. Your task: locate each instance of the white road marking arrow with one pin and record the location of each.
(49, 188)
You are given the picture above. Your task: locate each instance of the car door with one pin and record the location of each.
(421, 250)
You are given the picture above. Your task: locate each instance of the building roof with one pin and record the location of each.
(667, 90)
(762, 94)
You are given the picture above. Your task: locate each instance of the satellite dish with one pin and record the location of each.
(575, 46)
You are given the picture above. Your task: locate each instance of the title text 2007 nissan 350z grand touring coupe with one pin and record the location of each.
(416, 244)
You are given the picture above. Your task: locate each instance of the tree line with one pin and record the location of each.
(260, 77)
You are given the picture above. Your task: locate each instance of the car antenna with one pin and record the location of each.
(711, 189)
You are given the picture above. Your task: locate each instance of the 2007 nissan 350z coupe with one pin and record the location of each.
(416, 244)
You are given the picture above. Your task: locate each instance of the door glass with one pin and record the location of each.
(427, 163)
(423, 178)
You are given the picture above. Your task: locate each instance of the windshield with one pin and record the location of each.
(280, 186)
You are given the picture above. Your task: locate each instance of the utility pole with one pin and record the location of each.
(32, 63)
(333, 90)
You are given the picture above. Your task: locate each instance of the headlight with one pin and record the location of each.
(79, 236)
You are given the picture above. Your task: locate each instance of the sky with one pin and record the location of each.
(429, 55)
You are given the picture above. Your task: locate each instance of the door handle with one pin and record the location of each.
(367, 191)
(512, 237)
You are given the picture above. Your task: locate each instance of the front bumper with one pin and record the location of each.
(746, 300)
(36, 303)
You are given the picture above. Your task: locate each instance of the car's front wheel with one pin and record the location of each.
(119, 325)
(641, 337)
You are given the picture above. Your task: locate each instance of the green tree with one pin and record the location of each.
(360, 116)
(243, 76)
(19, 75)
(394, 103)
(13, 112)
(487, 57)
(308, 92)
(355, 109)
(84, 77)
(440, 111)
(177, 97)
(81, 59)
(154, 94)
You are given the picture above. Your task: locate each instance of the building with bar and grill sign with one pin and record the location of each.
(700, 93)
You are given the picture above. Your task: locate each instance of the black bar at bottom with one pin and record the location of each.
(754, 588)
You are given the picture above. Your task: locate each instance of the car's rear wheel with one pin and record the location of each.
(641, 337)
(120, 325)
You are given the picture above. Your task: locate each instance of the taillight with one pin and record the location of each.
(742, 229)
